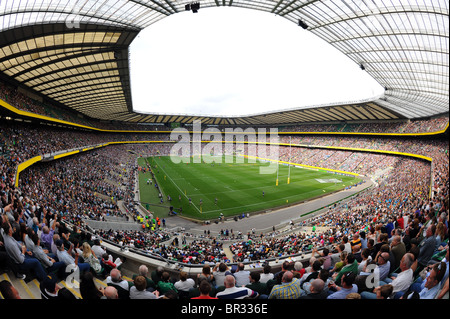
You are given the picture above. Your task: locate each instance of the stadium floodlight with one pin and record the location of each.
(302, 24)
(195, 6)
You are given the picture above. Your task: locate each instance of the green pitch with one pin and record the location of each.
(230, 188)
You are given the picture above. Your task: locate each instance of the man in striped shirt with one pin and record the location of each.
(289, 288)
(233, 292)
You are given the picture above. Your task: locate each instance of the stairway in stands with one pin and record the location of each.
(30, 289)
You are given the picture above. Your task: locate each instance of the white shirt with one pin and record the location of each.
(236, 293)
(185, 285)
(363, 263)
(242, 278)
(403, 281)
(348, 248)
(265, 278)
(219, 277)
(122, 283)
(98, 251)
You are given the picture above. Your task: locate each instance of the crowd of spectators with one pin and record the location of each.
(89, 185)
(410, 126)
(34, 104)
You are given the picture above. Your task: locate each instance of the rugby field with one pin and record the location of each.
(230, 188)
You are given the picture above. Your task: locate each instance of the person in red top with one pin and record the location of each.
(401, 222)
(205, 288)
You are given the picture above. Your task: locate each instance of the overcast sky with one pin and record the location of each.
(234, 61)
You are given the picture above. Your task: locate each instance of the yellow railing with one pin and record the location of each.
(51, 119)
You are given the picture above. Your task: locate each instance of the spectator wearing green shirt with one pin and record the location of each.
(256, 285)
(165, 285)
(350, 265)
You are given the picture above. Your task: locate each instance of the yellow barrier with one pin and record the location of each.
(46, 118)
(66, 154)
(22, 166)
(366, 133)
(26, 164)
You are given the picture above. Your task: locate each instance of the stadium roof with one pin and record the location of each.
(76, 53)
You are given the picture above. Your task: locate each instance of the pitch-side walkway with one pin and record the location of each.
(265, 221)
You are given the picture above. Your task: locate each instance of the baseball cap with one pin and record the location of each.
(59, 243)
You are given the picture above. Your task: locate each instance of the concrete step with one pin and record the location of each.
(28, 290)
(228, 253)
(31, 289)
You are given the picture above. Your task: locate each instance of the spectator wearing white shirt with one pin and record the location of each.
(185, 283)
(242, 276)
(400, 282)
(266, 275)
(97, 248)
(233, 292)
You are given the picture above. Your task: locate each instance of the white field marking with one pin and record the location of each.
(231, 191)
(179, 189)
(269, 201)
